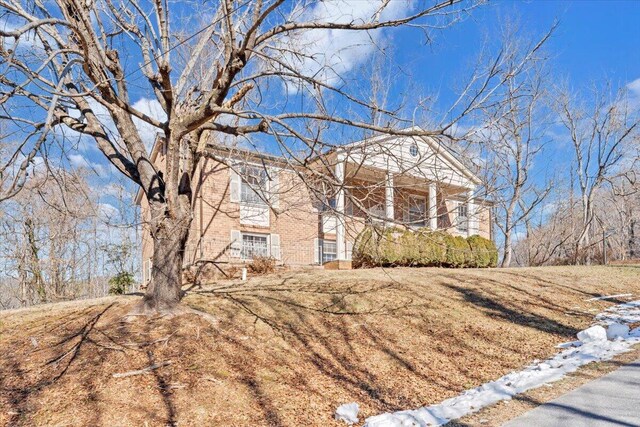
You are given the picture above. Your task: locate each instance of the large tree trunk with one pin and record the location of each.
(508, 250)
(165, 289)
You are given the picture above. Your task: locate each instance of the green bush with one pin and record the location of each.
(391, 247)
(121, 283)
(458, 252)
(366, 248)
(432, 248)
(408, 249)
(377, 246)
(484, 251)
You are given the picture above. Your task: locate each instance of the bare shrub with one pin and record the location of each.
(262, 265)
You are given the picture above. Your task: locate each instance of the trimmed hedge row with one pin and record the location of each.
(386, 247)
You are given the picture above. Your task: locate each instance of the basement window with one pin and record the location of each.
(254, 245)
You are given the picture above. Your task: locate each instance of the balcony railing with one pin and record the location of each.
(221, 250)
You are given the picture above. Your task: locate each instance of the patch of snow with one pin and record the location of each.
(593, 346)
(594, 333)
(348, 413)
(609, 297)
(622, 313)
(569, 344)
(617, 330)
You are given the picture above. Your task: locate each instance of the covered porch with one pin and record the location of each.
(421, 192)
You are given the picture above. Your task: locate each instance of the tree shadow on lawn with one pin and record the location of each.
(334, 340)
(544, 282)
(278, 350)
(45, 375)
(19, 393)
(358, 352)
(519, 316)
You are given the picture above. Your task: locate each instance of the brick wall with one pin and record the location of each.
(294, 220)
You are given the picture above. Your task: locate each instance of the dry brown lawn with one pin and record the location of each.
(287, 349)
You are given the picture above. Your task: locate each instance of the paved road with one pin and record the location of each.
(613, 400)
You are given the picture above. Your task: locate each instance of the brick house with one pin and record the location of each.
(250, 204)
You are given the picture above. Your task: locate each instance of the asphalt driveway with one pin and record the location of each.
(613, 400)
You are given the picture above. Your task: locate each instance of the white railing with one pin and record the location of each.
(252, 250)
(220, 251)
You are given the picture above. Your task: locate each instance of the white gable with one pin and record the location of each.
(427, 159)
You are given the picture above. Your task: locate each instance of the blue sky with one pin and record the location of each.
(595, 40)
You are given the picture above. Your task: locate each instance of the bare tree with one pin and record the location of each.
(17, 158)
(511, 139)
(224, 79)
(548, 232)
(604, 136)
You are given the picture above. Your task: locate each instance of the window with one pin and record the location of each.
(462, 219)
(413, 150)
(328, 250)
(254, 245)
(254, 184)
(329, 204)
(416, 211)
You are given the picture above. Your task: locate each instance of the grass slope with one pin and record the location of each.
(288, 349)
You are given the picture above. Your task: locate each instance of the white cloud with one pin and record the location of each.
(28, 40)
(634, 87)
(36, 166)
(152, 108)
(330, 54)
(79, 161)
(113, 189)
(107, 212)
(85, 144)
(634, 93)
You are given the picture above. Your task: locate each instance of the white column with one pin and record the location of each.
(340, 244)
(388, 198)
(433, 207)
(470, 214)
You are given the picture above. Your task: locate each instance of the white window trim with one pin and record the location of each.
(466, 223)
(266, 236)
(265, 191)
(320, 250)
(272, 183)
